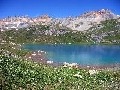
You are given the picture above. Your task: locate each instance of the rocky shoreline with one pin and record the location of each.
(39, 56)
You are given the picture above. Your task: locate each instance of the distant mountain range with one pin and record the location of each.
(95, 27)
(79, 23)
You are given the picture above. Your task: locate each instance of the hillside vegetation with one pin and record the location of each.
(19, 74)
(16, 73)
(108, 32)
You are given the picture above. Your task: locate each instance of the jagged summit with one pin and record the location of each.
(80, 23)
(22, 21)
(103, 13)
(88, 19)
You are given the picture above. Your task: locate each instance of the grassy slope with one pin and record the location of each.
(19, 73)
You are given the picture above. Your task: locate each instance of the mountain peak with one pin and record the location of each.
(80, 23)
(103, 14)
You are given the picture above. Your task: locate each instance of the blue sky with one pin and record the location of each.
(55, 8)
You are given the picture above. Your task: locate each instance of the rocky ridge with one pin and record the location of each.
(87, 20)
(79, 23)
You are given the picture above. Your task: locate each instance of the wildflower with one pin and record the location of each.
(78, 75)
(93, 72)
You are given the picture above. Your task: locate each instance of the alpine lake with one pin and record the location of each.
(96, 55)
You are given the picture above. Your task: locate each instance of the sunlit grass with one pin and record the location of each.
(22, 74)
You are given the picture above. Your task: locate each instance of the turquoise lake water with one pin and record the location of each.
(81, 54)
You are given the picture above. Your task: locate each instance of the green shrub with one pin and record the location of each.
(18, 74)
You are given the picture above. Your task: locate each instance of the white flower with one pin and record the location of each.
(77, 75)
(93, 72)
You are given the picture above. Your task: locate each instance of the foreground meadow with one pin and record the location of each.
(19, 74)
